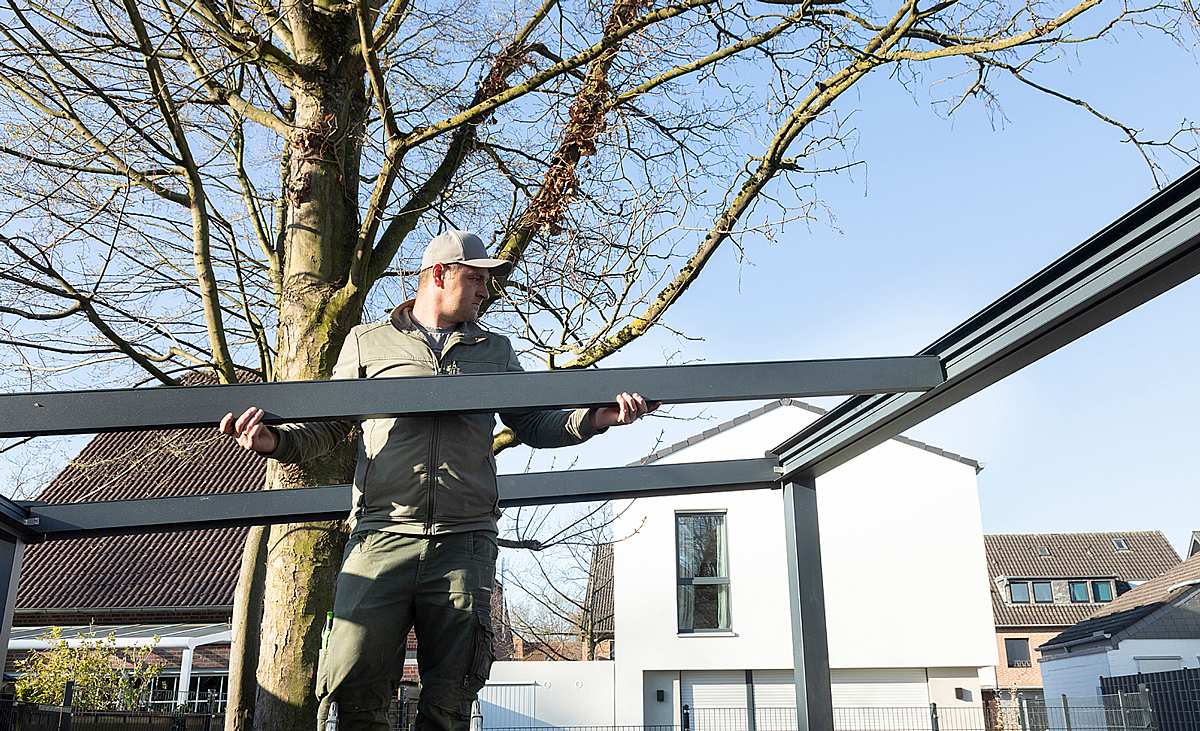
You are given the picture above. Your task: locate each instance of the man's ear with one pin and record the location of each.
(439, 275)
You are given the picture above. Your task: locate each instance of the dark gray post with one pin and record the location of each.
(810, 647)
(11, 551)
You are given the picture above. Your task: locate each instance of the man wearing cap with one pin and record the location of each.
(422, 548)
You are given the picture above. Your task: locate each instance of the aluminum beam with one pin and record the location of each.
(1138, 257)
(11, 553)
(84, 412)
(806, 588)
(76, 520)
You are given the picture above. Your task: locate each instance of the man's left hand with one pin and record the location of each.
(629, 408)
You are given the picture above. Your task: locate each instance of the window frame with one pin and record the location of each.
(1033, 593)
(1028, 593)
(1086, 591)
(1028, 663)
(704, 580)
(1105, 583)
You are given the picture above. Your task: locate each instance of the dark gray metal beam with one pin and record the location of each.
(84, 412)
(806, 588)
(11, 553)
(75, 520)
(1143, 254)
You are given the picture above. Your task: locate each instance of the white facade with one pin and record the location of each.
(908, 611)
(1078, 675)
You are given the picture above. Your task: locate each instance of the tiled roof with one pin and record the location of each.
(726, 425)
(169, 570)
(598, 601)
(1072, 556)
(1139, 602)
(1109, 624)
(1167, 587)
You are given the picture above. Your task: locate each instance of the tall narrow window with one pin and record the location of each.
(703, 572)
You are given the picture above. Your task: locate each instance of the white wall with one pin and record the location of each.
(1123, 660)
(902, 555)
(1076, 676)
(549, 694)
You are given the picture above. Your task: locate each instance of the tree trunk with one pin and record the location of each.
(318, 306)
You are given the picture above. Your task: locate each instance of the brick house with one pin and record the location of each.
(1043, 583)
(178, 586)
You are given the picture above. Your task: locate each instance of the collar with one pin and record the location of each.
(402, 320)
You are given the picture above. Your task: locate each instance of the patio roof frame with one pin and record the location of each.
(1146, 252)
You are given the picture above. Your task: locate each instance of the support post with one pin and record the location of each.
(183, 692)
(12, 550)
(810, 646)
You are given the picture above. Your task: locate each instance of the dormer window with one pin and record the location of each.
(1079, 591)
(1018, 592)
(1043, 593)
(1102, 591)
(1120, 544)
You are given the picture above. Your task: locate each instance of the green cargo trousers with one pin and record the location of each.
(390, 583)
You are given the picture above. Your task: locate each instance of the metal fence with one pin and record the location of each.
(35, 717)
(1129, 712)
(1174, 695)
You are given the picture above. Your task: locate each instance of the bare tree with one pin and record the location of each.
(215, 185)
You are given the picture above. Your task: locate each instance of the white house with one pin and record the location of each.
(700, 590)
(1152, 628)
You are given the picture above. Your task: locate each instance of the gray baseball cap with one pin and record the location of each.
(462, 247)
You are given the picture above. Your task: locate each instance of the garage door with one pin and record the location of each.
(716, 699)
(890, 698)
(851, 688)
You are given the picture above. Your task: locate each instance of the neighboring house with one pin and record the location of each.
(1152, 628)
(1042, 583)
(700, 596)
(177, 586)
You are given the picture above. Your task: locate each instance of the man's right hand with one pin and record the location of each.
(249, 431)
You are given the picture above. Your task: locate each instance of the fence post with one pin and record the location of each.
(1066, 712)
(686, 718)
(1023, 712)
(1144, 692)
(933, 716)
(65, 712)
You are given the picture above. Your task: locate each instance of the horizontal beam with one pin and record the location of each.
(264, 507)
(86, 412)
(1151, 249)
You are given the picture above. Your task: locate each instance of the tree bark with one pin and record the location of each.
(318, 306)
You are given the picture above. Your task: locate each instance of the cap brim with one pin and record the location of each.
(498, 267)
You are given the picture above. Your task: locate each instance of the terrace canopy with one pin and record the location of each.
(1142, 254)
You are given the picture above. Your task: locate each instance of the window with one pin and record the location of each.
(703, 572)
(1120, 544)
(1101, 591)
(1079, 591)
(1043, 550)
(1042, 592)
(1018, 591)
(1017, 652)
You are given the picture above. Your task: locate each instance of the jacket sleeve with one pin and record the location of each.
(548, 428)
(305, 441)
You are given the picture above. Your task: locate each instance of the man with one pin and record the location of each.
(422, 549)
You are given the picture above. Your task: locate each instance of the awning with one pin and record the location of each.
(188, 636)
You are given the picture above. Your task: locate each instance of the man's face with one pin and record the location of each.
(464, 289)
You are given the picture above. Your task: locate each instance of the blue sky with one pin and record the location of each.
(946, 216)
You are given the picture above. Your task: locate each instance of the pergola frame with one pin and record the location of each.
(1144, 253)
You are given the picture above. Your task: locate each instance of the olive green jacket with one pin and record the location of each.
(426, 475)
